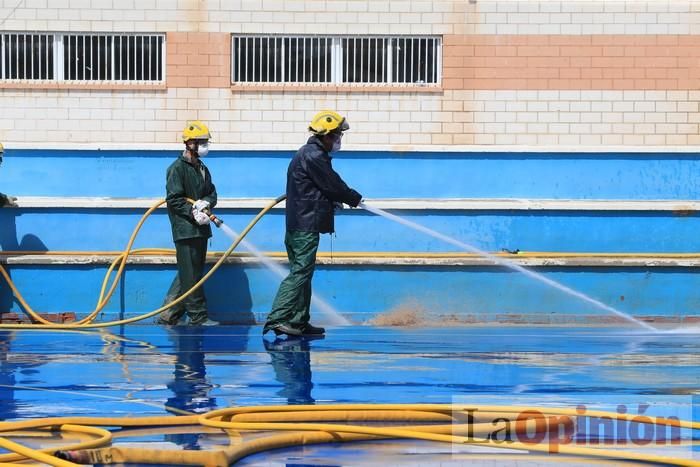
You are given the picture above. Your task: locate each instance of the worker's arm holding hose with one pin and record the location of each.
(209, 200)
(211, 197)
(327, 180)
(175, 194)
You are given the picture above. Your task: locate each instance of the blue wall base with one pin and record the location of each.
(436, 295)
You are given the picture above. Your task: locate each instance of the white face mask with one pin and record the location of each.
(203, 150)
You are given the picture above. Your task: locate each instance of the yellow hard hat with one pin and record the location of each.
(195, 130)
(327, 121)
(1, 149)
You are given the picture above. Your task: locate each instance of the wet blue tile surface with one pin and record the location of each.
(139, 370)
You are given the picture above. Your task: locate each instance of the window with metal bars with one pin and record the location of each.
(353, 60)
(95, 57)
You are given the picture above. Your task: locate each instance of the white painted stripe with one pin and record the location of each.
(417, 261)
(457, 204)
(134, 147)
(46, 202)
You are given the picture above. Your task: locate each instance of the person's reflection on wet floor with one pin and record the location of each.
(190, 386)
(8, 406)
(291, 361)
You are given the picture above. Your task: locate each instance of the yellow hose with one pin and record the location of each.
(20, 452)
(218, 418)
(34, 454)
(121, 261)
(300, 424)
(102, 301)
(292, 421)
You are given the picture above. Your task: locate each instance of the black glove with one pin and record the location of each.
(8, 201)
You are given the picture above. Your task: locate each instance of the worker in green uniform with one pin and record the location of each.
(188, 177)
(5, 200)
(313, 191)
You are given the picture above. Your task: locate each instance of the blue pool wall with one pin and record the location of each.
(376, 174)
(471, 294)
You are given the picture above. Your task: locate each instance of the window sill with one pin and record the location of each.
(335, 88)
(85, 85)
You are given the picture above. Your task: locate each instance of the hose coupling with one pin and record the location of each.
(76, 457)
(217, 222)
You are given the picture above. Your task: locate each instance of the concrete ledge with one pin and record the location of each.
(382, 260)
(651, 150)
(456, 204)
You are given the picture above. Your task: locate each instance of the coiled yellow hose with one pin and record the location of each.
(307, 424)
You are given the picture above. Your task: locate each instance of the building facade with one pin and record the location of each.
(535, 73)
(560, 135)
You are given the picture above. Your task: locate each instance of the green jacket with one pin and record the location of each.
(184, 180)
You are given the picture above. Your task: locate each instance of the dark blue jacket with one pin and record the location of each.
(312, 188)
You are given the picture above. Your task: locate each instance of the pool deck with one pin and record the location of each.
(138, 370)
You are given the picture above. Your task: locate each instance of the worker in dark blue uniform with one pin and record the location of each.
(313, 190)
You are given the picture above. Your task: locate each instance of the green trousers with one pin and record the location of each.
(293, 300)
(191, 254)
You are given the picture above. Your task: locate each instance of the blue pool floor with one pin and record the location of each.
(138, 370)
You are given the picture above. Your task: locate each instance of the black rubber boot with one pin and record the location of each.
(312, 330)
(285, 329)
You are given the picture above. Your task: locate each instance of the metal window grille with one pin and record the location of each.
(91, 57)
(355, 60)
(26, 56)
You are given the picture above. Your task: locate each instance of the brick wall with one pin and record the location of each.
(198, 60)
(515, 72)
(580, 62)
(358, 16)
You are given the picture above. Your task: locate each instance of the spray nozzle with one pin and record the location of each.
(217, 222)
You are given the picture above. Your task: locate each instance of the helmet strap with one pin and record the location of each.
(327, 140)
(192, 147)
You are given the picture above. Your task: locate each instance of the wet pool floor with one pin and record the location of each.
(139, 370)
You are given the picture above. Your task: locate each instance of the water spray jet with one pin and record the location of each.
(508, 264)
